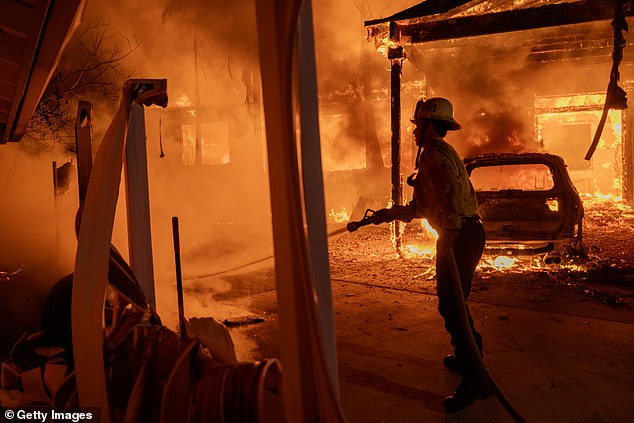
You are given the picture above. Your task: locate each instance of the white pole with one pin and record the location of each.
(138, 204)
(314, 187)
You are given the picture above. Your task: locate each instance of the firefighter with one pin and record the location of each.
(444, 195)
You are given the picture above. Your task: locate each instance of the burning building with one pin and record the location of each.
(524, 78)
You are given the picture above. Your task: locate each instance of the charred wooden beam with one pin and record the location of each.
(426, 8)
(396, 57)
(570, 109)
(575, 51)
(515, 20)
(628, 150)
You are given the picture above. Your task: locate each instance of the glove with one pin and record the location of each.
(411, 179)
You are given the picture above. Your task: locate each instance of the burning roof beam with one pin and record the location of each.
(413, 29)
(425, 8)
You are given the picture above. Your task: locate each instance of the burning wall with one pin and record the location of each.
(500, 86)
(567, 124)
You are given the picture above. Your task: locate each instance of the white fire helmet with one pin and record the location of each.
(436, 108)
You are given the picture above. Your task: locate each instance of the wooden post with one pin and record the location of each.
(396, 56)
(83, 143)
(627, 148)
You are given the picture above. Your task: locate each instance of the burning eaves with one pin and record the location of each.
(410, 27)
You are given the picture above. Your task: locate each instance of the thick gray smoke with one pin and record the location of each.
(497, 132)
(493, 82)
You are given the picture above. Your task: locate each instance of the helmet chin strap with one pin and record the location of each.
(420, 148)
(419, 142)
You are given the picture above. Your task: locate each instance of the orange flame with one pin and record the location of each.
(341, 216)
(568, 117)
(423, 249)
(425, 225)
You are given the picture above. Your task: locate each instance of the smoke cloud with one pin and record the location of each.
(493, 82)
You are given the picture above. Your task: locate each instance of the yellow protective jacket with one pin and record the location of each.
(442, 190)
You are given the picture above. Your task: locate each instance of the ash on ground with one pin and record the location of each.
(605, 277)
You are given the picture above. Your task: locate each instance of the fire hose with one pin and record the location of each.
(471, 343)
(372, 217)
(338, 231)
(615, 97)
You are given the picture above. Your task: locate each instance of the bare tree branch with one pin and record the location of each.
(92, 66)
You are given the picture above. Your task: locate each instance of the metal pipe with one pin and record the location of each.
(179, 276)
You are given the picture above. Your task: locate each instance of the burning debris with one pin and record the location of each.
(6, 276)
(605, 275)
(341, 216)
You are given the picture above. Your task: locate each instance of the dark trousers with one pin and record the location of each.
(467, 247)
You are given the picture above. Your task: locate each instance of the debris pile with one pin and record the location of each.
(606, 275)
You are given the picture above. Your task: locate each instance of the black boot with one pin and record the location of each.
(452, 363)
(457, 364)
(468, 392)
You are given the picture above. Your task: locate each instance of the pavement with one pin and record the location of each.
(564, 364)
(557, 349)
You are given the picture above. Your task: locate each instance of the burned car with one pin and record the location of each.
(528, 203)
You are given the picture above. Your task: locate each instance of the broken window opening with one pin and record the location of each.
(215, 146)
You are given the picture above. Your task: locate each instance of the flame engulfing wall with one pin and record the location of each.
(566, 122)
(496, 82)
(353, 83)
(493, 82)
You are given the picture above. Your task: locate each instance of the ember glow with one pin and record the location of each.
(413, 250)
(426, 247)
(530, 263)
(183, 101)
(502, 262)
(553, 204)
